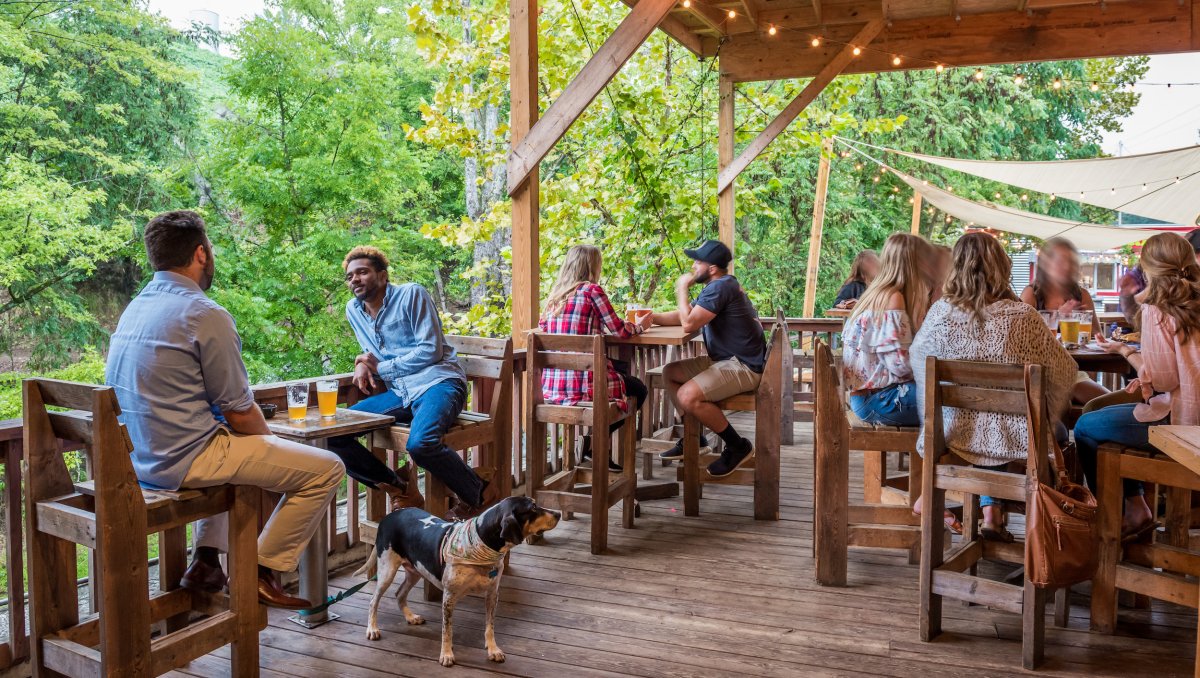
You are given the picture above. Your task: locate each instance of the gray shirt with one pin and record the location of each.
(176, 363)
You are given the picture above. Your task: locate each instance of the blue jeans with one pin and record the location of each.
(428, 419)
(1113, 424)
(895, 405)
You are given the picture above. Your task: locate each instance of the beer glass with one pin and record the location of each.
(1068, 328)
(327, 391)
(297, 397)
(1085, 326)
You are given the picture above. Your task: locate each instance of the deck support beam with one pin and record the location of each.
(725, 204)
(818, 225)
(523, 79)
(802, 100)
(529, 151)
(916, 213)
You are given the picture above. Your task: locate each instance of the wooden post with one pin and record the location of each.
(818, 223)
(725, 202)
(916, 214)
(526, 279)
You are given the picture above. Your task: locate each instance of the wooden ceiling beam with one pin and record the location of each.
(712, 17)
(682, 33)
(817, 10)
(582, 90)
(777, 126)
(752, 10)
(1075, 32)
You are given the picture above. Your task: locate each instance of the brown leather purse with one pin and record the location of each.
(1062, 546)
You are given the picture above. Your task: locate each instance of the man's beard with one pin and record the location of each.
(702, 277)
(206, 279)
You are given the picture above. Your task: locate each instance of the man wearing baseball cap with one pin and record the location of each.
(736, 351)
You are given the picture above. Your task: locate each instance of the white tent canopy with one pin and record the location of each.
(1163, 186)
(987, 215)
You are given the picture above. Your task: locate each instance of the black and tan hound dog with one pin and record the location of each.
(457, 557)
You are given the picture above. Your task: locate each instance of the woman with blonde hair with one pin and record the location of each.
(979, 318)
(1168, 364)
(578, 305)
(1056, 287)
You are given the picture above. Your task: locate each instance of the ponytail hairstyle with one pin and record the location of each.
(1173, 282)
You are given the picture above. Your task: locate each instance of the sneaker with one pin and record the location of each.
(676, 452)
(613, 466)
(731, 459)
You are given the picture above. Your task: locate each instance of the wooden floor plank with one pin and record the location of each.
(711, 596)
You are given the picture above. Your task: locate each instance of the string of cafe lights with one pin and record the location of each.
(979, 74)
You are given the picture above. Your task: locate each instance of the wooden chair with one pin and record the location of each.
(486, 422)
(576, 489)
(980, 387)
(762, 470)
(113, 515)
(1166, 568)
(837, 524)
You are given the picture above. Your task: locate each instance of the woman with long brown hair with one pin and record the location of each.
(579, 305)
(862, 272)
(1168, 364)
(1056, 287)
(979, 318)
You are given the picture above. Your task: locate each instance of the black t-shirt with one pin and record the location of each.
(735, 332)
(851, 290)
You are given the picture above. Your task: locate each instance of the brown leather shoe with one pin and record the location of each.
(399, 498)
(461, 510)
(271, 594)
(203, 578)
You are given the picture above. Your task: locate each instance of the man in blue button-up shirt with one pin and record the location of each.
(176, 366)
(398, 328)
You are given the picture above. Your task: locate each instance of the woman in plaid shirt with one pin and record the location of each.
(578, 305)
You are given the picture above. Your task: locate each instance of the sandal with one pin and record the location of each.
(1139, 533)
(952, 522)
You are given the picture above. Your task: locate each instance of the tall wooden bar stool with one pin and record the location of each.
(114, 516)
(576, 489)
(980, 387)
(837, 524)
(762, 470)
(1166, 567)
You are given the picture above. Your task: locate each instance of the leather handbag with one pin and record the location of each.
(1062, 545)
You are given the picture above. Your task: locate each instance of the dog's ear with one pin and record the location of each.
(511, 530)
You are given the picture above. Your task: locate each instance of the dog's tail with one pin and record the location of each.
(368, 568)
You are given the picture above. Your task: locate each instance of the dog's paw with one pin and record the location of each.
(447, 659)
(373, 634)
(496, 655)
(415, 620)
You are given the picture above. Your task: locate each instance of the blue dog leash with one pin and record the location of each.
(335, 599)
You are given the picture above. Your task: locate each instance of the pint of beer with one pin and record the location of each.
(297, 397)
(327, 391)
(1085, 325)
(633, 312)
(1068, 327)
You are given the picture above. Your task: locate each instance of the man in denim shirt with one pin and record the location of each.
(176, 366)
(398, 328)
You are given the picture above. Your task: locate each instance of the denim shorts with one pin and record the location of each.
(895, 405)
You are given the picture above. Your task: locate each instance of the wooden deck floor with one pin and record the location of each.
(718, 595)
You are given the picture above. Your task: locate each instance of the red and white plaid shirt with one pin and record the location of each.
(587, 312)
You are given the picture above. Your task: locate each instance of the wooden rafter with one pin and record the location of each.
(817, 10)
(819, 82)
(599, 70)
(752, 10)
(1043, 34)
(715, 19)
(681, 32)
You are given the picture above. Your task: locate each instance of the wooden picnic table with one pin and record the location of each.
(316, 430)
(1180, 443)
(1092, 359)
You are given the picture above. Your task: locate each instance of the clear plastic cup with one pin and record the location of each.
(327, 392)
(297, 397)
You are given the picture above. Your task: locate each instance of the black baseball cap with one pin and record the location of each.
(1194, 239)
(712, 252)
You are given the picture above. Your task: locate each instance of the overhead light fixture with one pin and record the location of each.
(771, 30)
(857, 51)
(816, 42)
(896, 60)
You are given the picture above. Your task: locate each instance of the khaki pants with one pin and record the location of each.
(306, 476)
(719, 380)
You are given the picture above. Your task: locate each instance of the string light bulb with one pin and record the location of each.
(771, 30)
(687, 4)
(1019, 79)
(816, 41)
(1058, 83)
(1143, 187)
(1176, 179)
(1053, 197)
(858, 165)
(997, 195)
(1112, 191)
(1024, 197)
(732, 14)
(939, 68)
(857, 51)
(896, 60)
(876, 180)
(979, 74)
(1095, 87)
(1081, 195)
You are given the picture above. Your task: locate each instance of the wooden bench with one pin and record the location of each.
(113, 516)
(1165, 568)
(577, 489)
(762, 470)
(837, 524)
(956, 383)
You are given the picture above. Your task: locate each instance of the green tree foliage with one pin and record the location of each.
(92, 103)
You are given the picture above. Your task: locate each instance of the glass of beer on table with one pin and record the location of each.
(1068, 328)
(633, 312)
(297, 399)
(327, 392)
(1085, 326)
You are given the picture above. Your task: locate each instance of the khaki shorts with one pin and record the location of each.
(719, 380)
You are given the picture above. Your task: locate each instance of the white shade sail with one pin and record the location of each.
(987, 215)
(1163, 186)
